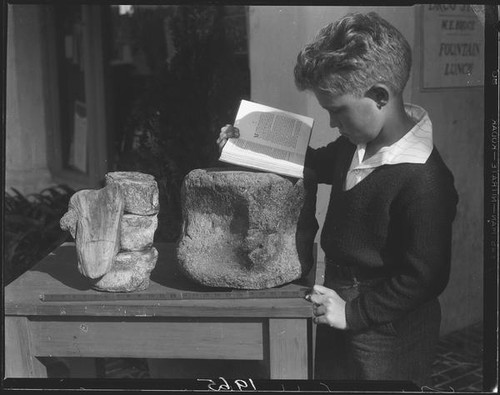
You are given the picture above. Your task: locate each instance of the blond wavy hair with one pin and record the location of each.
(352, 54)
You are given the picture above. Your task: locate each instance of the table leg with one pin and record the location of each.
(19, 358)
(313, 349)
(289, 348)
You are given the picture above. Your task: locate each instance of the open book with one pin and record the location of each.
(270, 140)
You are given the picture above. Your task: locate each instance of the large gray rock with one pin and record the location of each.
(245, 229)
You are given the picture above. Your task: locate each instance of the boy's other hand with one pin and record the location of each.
(226, 132)
(328, 307)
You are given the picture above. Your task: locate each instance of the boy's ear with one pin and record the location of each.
(378, 93)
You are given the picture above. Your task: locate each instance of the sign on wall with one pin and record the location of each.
(453, 46)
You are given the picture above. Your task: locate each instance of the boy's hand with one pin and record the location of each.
(328, 307)
(228, 131)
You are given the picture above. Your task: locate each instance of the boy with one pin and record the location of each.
(387, 232)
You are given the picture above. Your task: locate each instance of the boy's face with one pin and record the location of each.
(358, 119)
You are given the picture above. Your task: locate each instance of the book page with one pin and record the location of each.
(270, 139)
(273, 152)
(278, 129)
(272, 127)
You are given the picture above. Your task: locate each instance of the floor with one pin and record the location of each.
(458, 366)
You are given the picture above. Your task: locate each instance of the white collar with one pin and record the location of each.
(414, 147)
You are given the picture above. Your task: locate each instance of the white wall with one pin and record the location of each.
(277, 34)
(26, 153)
(458, 121)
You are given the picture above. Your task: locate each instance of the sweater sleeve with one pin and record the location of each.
(319, 162)
(424, 227)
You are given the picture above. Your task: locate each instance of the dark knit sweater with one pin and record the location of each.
(399, 219)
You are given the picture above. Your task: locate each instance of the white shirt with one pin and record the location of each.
(414, 147)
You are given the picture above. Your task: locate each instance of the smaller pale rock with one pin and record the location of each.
(130, 272)
(140, 191)
(137, 231)
(93, 219)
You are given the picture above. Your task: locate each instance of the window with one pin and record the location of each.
(76, 94)
(178, 75)
(142, 88)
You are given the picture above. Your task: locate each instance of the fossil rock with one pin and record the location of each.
(114, 248)
(137, 231)
(93, 219)
(140, 191)
(130, 272)
(246, 229)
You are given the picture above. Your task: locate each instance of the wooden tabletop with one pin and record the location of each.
(58, 274)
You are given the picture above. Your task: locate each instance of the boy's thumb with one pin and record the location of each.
(322, 290)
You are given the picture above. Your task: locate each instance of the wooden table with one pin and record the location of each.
(277, 330)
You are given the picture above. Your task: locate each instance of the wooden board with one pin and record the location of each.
(19, 358)
(288, 349)
(58, 273)
(147, 339)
